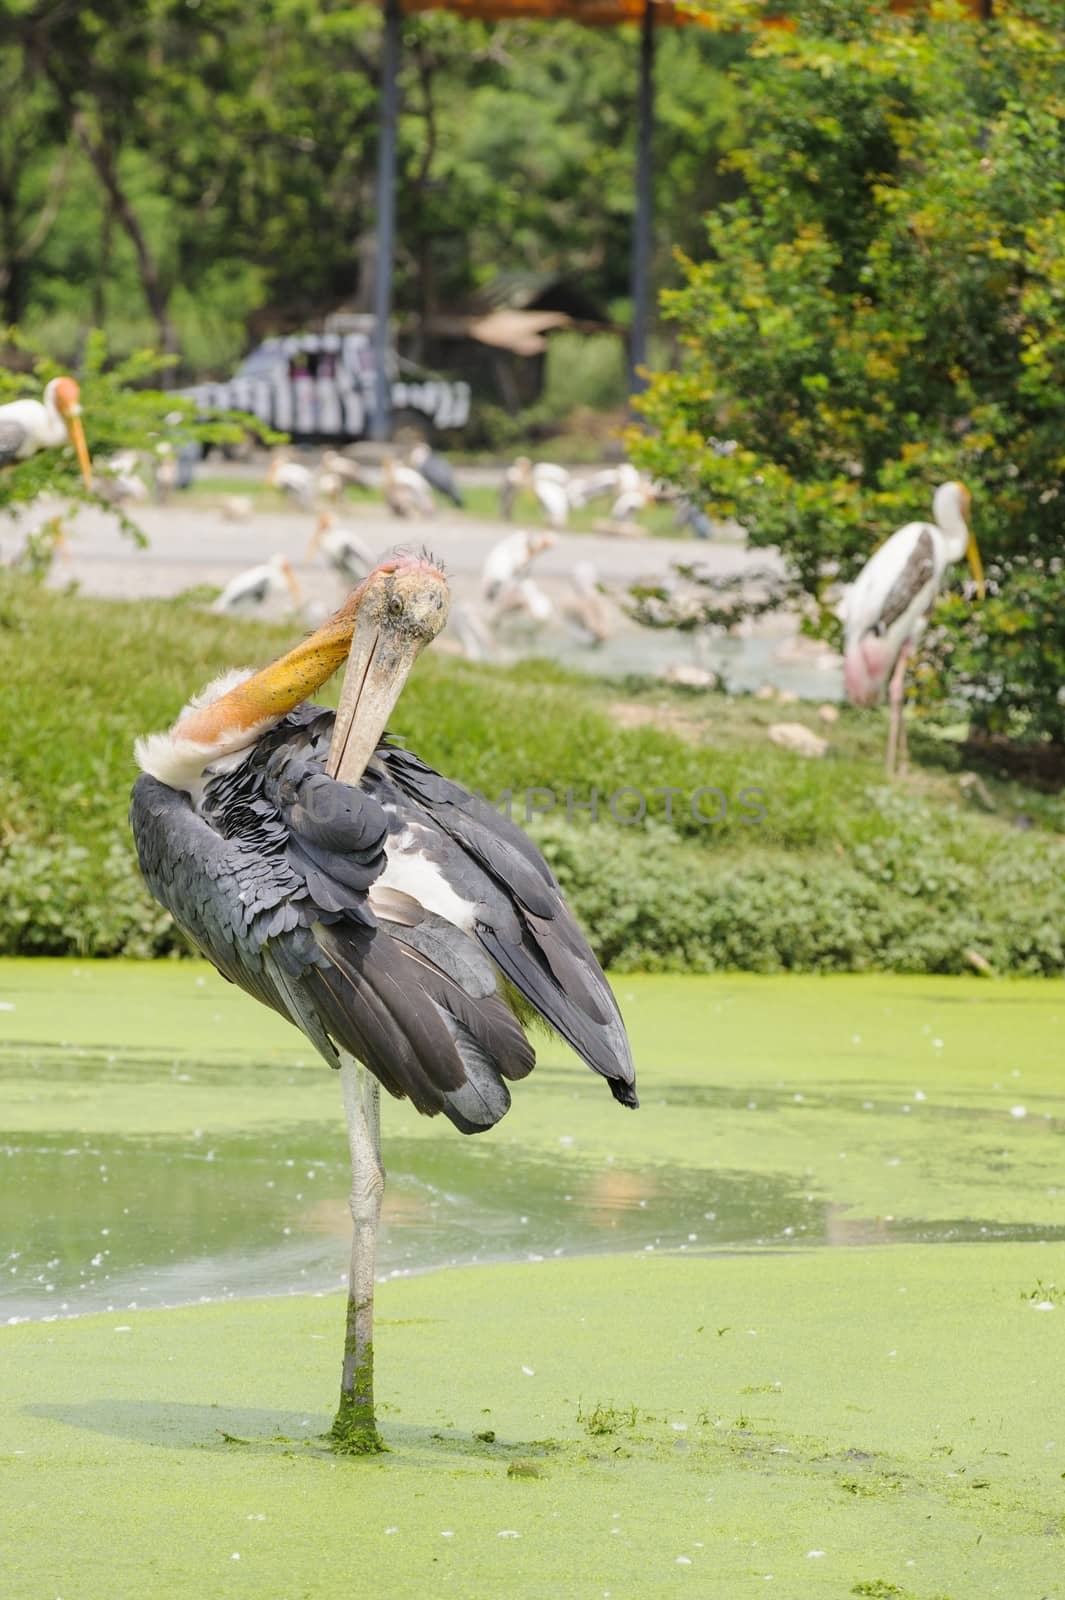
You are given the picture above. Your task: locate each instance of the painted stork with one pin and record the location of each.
(594, 486)
(523, 603)
(27, 426)
(384, 910)
(888, 606)
(438, 473)
(348, 555)
(587, 607)
(510, 559)
(292, 478)
(635, 493)
(548, 483)
(118, 479)
(251, 590)
(406, 492)
(342, 466)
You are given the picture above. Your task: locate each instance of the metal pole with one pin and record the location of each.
(641, 238)
(381, 424)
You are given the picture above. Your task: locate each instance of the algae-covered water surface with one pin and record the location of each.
(793, 1327)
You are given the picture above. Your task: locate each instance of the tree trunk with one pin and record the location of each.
(102, 155)
(12, 274)
(103, 265)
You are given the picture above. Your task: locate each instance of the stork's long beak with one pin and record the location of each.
(316, 537)
(378, 666)
(81, 449)
(976, 566)
(294, 587)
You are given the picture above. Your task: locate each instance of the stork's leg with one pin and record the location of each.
(896, 749)
(355, 1428)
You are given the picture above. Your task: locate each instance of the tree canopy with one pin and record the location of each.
(179, 172)
(881, 308)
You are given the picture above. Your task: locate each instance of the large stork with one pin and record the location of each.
(27, 426)
(384, 910)
(888, 606)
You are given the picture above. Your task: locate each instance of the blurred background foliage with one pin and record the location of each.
(181, 174)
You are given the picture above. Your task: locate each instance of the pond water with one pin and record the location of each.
(120, 1222)
(133, 1178)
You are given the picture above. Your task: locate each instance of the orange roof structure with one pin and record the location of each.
(592, 13)
(613, 13)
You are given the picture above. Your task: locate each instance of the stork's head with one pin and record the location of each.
(381, 629)
(402, 606)
(950, 507)
(62, 395)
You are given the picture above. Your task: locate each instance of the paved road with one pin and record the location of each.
(191, 542)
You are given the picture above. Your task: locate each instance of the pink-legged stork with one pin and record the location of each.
(887, 608)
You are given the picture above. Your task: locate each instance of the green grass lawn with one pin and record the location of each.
(857, 1417)
(843, 870)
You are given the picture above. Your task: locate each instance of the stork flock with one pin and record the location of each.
(557, 491)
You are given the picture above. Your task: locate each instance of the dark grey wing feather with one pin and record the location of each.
(12, 439)
(522, 920)
(919, 570)
(271, 885)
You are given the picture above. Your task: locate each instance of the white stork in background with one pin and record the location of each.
(27, 426)
(406, 492)
(511, 559)
(341, 466)
(548, 483)
(595, 486)
(438, 473)
(887, 608)
(119, 481)
(292, 478)
(349, 556)
(587, 608)
(250, 591)
(635, 493)
(524, 603)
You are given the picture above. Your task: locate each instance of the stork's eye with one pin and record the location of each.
(395, 606)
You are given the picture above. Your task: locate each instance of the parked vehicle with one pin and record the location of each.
(322, 386)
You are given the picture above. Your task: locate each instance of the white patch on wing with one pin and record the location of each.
(410, 871)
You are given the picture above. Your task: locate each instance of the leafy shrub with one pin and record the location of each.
(843, 873)
(1003, 663)
(903, 904)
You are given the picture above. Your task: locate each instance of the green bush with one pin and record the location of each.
(842, 874)
(1003, 663)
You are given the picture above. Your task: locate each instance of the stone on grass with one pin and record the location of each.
(802, 740)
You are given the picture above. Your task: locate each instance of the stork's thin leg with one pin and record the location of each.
(355, 1428)
(896, 749)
